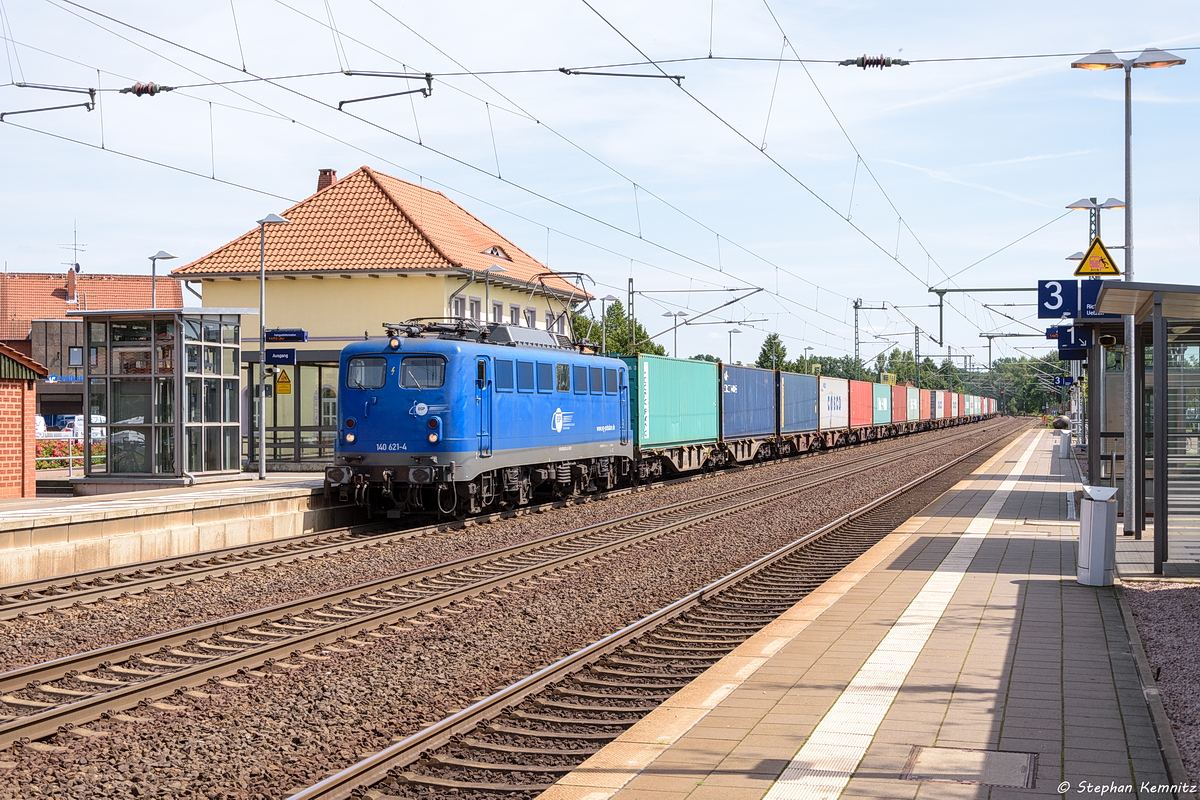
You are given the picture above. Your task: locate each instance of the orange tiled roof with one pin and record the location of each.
(371, 222)
(26, 296)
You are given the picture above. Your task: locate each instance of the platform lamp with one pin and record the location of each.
(269, 219)
(154, 259)
(675, 327)
(731, 333)
(1151, 58)
(604, 321)
(807, 366)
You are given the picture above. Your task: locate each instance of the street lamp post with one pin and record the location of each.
(731, 333)
(675, 329)
(604, 321)
(269, 219)
(807, 366)
(154, 259)
(1151, 58)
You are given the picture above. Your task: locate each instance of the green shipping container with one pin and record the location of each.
(881, 410)
(673, 401)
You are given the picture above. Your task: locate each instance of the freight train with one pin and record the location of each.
(460, 418)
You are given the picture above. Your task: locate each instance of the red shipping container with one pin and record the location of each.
(926, 404)
(862, 404)
(962, 405)
(899, 404)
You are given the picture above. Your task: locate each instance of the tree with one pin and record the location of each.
(773, 354)
(615, 332)
(704, 357)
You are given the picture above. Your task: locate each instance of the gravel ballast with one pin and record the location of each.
(1167, 615)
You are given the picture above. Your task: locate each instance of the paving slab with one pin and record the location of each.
(1010, 656)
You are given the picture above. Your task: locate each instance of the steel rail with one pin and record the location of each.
(84, 709)
(376, 767)
(48, 594)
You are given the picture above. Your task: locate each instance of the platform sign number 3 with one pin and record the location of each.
(1058, 299)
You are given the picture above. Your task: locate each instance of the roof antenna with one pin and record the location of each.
(76, 248)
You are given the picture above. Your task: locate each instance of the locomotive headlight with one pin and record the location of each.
(394, 343)
(350, 437)
(435, 430)
(349, 422)
(433, 438)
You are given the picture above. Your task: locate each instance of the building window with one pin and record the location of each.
(458, 307)
(562, 323)
(74, 356)
(531, 317)
(497, 313)
(514, 315)
(549, 320)
(476, 309)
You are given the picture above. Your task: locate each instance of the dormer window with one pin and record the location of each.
(495, 252)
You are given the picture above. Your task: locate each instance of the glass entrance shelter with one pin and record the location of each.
(164, 397)
(1173, 424)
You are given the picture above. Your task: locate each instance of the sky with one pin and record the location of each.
(762, 173)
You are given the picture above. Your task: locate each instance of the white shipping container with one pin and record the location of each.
(834, 403)
(954, 409)
(939, 409)
(914, 404)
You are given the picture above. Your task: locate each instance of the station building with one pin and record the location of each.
(363, 251)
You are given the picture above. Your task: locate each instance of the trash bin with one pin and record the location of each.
(1097, 536)
(1064, 444)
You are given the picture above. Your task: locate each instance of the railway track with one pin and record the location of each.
(29, 598)
(40, 700)
(520, 740)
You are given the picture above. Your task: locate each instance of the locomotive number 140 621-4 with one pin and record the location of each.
(386, 447)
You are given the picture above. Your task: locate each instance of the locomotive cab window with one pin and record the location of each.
(610, 381)
(581, 376)
(597, 379)
(422, 372)
(366, 373)
(562, 377)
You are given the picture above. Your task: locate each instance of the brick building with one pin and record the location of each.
(18, 431)
(34, 322)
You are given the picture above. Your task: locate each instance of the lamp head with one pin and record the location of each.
(272, 219)
(1083, 203)
(1101, 59)
(1113, 202)
(161, 255)
(1153, 58)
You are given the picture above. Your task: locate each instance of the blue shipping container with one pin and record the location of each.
(747, 402)
(797, 402)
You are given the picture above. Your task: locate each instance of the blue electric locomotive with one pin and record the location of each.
(460, 418)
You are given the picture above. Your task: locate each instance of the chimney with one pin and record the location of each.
(326, 178)
(71, 285)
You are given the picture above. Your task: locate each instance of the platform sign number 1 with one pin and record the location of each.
(1058, 299)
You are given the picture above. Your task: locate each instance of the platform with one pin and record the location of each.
(45, 537)
(958, 658)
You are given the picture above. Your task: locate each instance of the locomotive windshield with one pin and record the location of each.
(366, 373)
(422, 372)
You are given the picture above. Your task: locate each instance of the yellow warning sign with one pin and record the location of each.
(1097, 261)
(283, 384)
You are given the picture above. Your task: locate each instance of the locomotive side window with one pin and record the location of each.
(524, 376)
(366, 373)
(563, 374)
(545, 377)
(504, 375)
(422, 372)
(597, 380)
(610, 381)
(580, 380)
